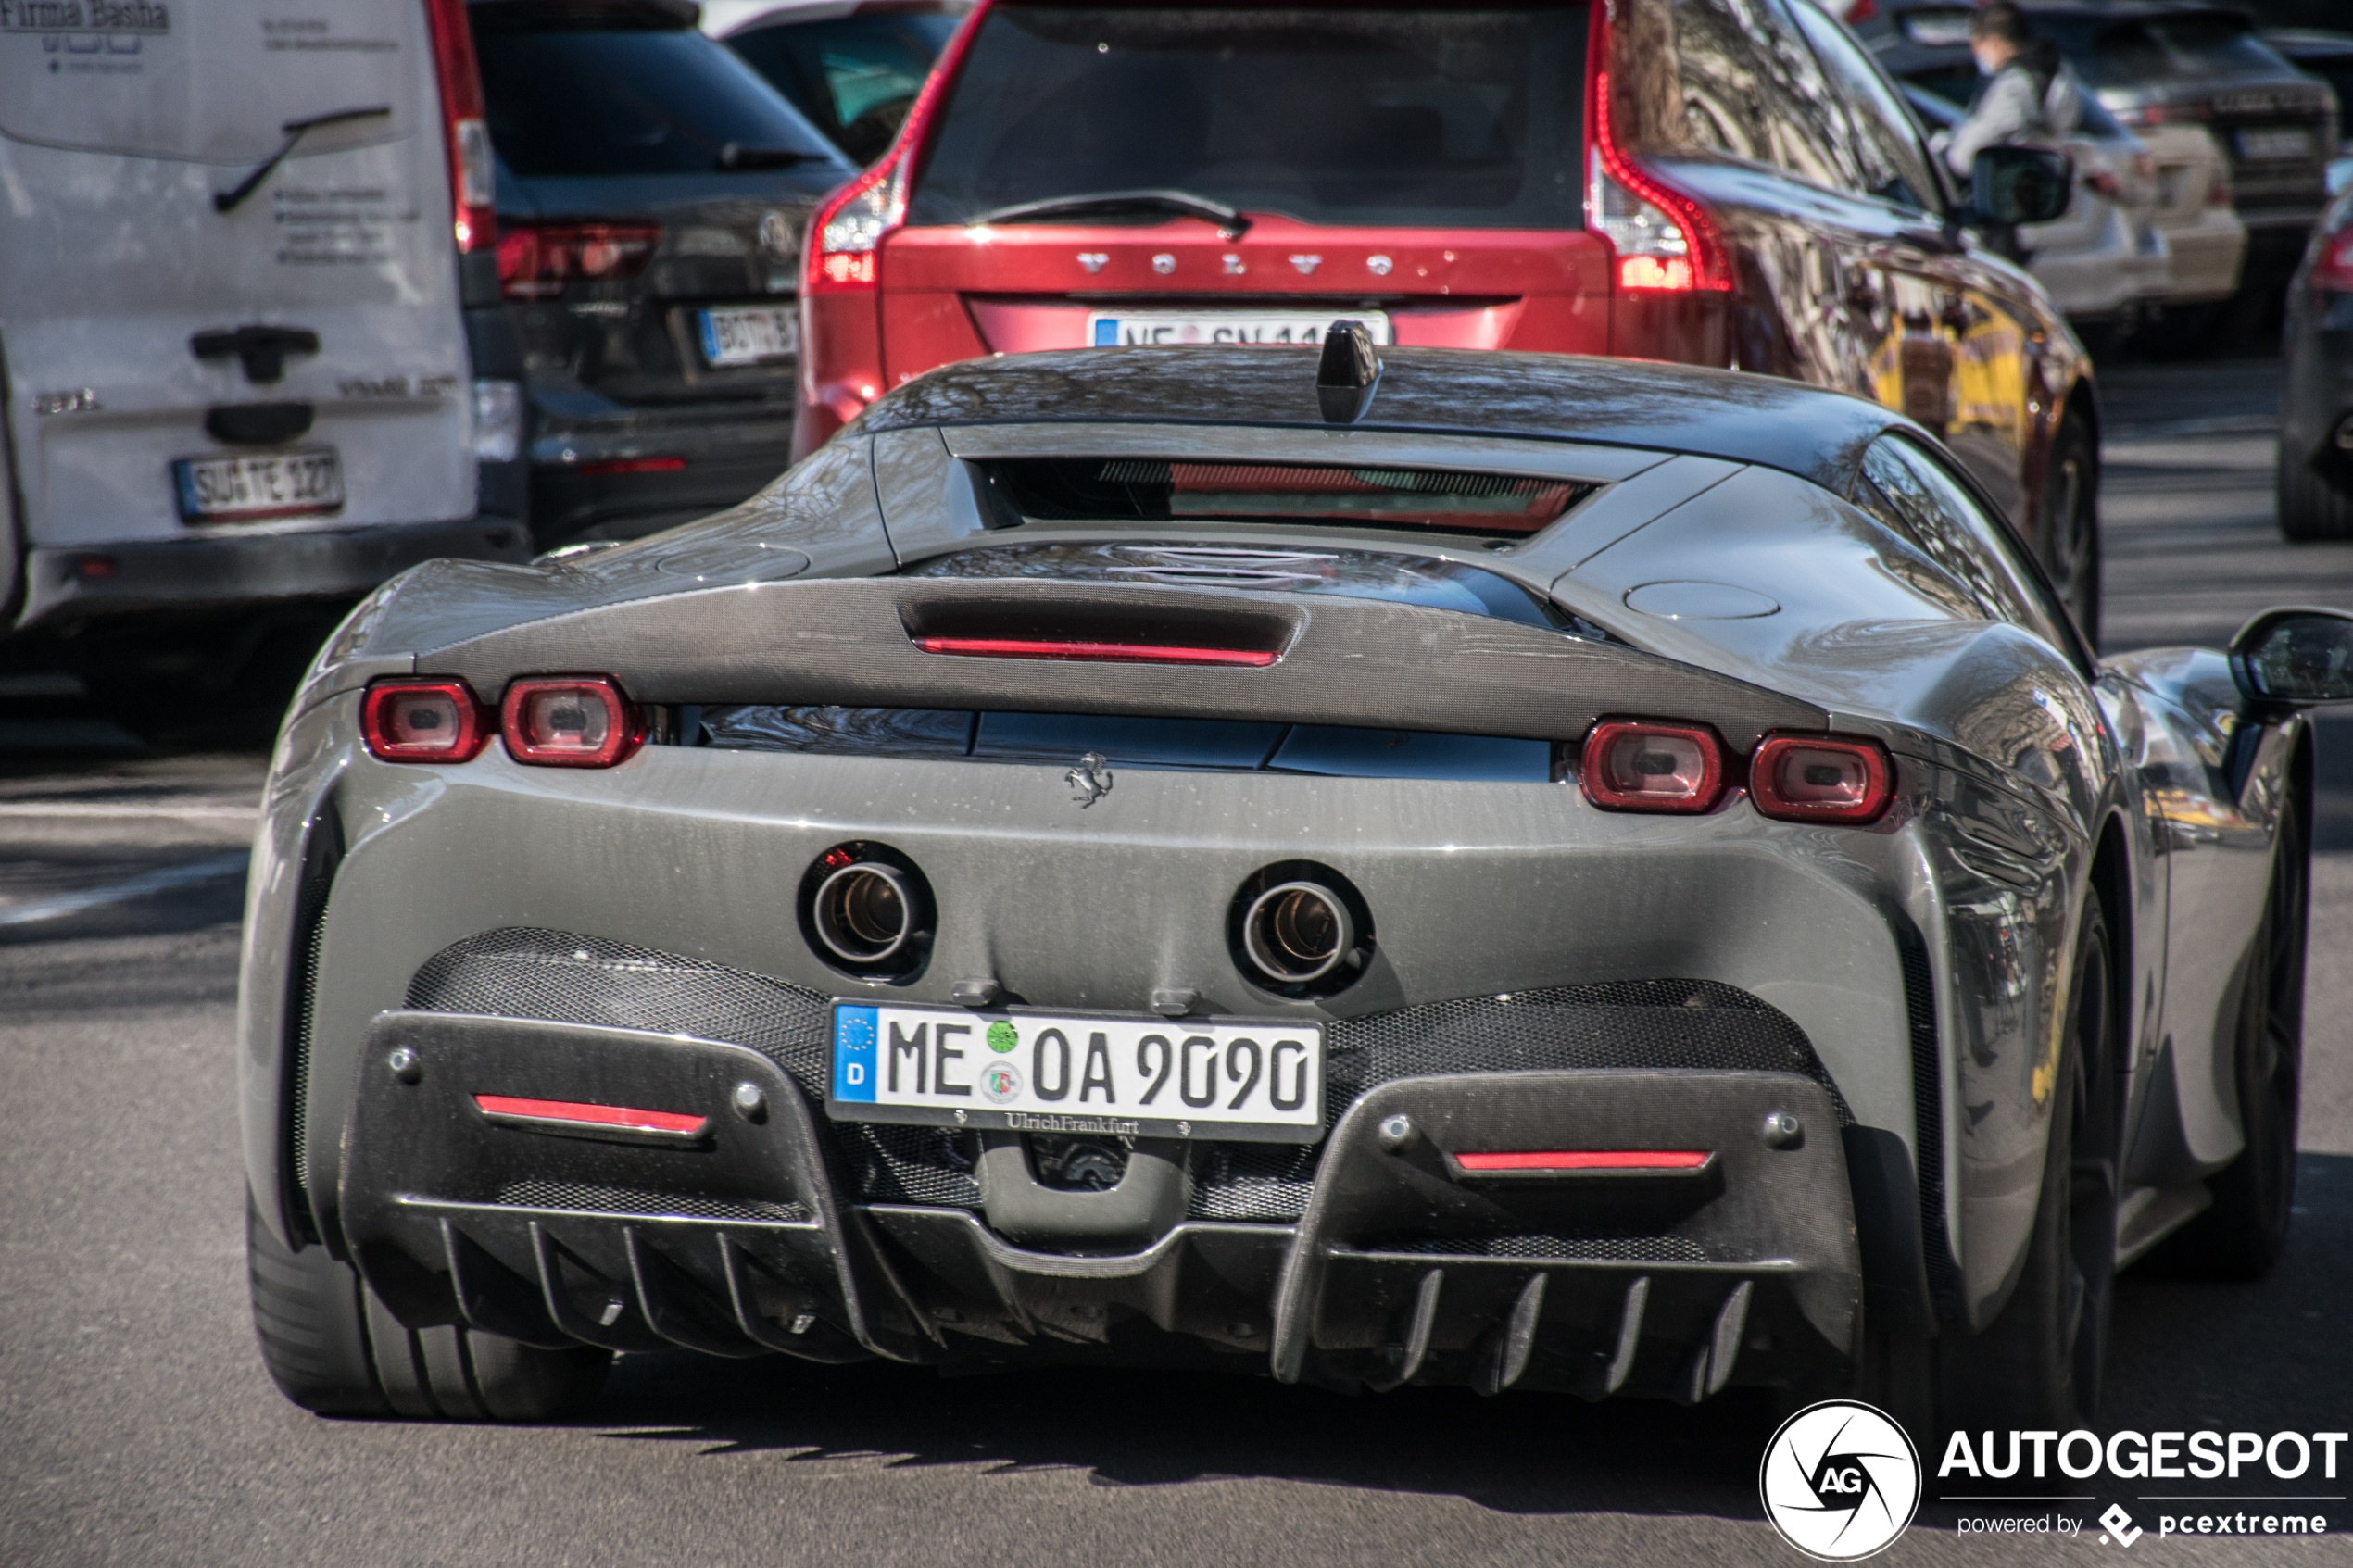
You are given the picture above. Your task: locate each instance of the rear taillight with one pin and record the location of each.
(1861, 11)
(2219, 193)
(2105, 184)
(845, 238)
(1820, 779)
(1665, 240)
(473, 183)
(422, 721)
(1638, 766)
(570, 722)
(849, 229)
(2332, 262)
(536, 260)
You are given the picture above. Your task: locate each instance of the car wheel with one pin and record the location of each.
(2311, 509)
(2040, 1361)
(2243, 1233)
(333, 1348)
(2071, 525)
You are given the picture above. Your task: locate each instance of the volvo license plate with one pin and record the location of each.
(1109, 1075)
(253, 488)
(1128, 329)
(749, 335)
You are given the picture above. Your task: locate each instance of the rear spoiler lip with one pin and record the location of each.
(1366, 663)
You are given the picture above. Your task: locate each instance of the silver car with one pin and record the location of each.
(1480, 868)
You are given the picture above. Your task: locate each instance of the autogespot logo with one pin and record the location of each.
(1840, 1480)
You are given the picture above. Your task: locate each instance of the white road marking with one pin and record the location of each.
(130, 887)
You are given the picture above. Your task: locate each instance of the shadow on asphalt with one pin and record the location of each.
(2188, 1355)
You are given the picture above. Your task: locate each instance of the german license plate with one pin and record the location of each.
(1128, 329)
(2292, 142)
(1106, 1074)
(756, 334)
(254, 488)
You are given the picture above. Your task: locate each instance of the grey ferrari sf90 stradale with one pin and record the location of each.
(1482, 869)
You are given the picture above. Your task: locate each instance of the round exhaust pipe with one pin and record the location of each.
(864, 914)
(1297, 933)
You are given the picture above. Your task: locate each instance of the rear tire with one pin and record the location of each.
(332, 1347)
(2072, 523)
(2041, 1360)
(2040, 1363)
(2242, 1235)
(2311, 509)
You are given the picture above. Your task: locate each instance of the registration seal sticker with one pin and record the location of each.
(1001, 1082)
(1003, 1036)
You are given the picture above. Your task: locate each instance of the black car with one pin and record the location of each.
(2316, 429)
(652, 191)
(853, 67)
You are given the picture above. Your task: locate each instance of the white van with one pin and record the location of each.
(243, 247)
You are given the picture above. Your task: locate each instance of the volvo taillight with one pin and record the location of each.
(570, 722)
(536, 260)
(1820, 779)
(473, 181)
(1665, 240)
(422, 721)
(1636, 765)
(841, 360)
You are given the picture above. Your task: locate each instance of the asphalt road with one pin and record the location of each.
(136, 1425)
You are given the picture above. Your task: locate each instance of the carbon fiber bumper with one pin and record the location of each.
(740, 1231)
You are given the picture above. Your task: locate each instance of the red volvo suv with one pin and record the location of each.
(1726, 182)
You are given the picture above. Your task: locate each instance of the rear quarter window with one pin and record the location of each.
(1463, 118)
(209, 82)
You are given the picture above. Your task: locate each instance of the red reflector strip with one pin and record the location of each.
(1586, 1159)
(633, 465)
(571, 1113)
(1117, 653)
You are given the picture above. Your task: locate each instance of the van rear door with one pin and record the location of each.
(228, 294)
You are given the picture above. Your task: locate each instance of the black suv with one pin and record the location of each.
(652, 191)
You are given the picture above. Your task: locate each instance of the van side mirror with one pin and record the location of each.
(2295, 656)
(2014, 185)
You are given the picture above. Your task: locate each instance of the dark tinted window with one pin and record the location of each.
(576, 87)
(2161, 49)
(854, 77)
(1438, 116)
(1885, 145)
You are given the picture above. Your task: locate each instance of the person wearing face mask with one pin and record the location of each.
(2028, 96)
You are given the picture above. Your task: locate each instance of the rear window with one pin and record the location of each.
(1434, 117)
(1160, 490)
(854, 77)
(579, 87)
(2163, 49)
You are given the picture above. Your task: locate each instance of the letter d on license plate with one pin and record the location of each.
(1110, 1074)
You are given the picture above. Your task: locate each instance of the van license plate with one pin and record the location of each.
(1125, 328)
(752, 335)
(1110, 1075)
(255, 488)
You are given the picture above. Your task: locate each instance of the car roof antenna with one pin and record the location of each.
(1348, 372)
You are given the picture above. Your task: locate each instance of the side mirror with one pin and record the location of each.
(2014, 185)
(2295, 656)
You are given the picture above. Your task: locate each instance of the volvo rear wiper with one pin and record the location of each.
(1230, 222)
(295, 130)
